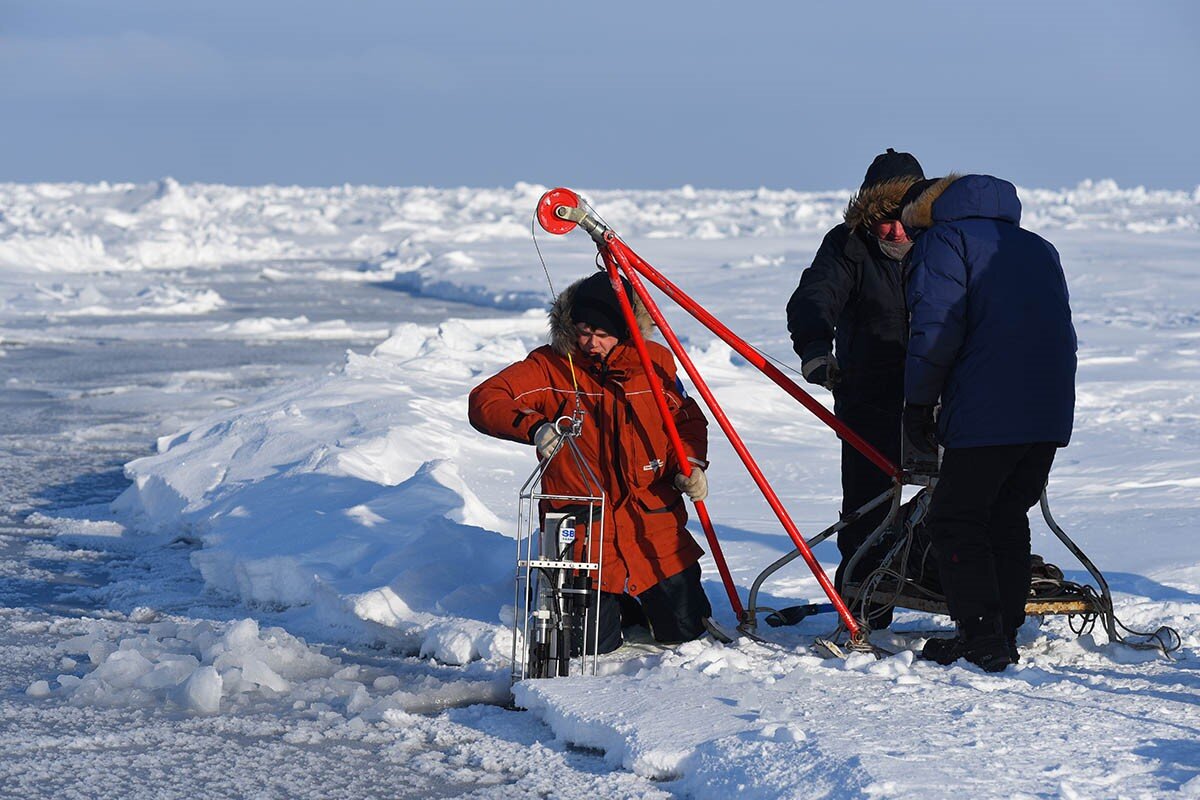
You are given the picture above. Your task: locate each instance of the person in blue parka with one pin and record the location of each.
(990, 336)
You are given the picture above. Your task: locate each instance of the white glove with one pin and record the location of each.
(694, 486)
(545, 438)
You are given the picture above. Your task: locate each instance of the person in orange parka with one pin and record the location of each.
(648, 553)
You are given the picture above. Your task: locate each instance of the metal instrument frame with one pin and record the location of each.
(533, 563)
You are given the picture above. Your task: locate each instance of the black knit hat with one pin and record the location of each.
(891, 164)
(594, 303)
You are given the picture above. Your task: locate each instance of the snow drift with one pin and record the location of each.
(344, 495)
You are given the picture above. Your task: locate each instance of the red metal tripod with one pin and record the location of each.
(559, 212)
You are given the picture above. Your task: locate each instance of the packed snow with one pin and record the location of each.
(291, 522)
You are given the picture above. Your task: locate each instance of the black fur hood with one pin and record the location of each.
(562, 327)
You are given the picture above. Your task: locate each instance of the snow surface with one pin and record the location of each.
(356, 506)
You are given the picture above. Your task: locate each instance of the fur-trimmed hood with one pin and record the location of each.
(961, 197)
(562, 327)
(878, 201)
(918, 214)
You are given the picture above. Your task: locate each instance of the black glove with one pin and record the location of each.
(820, 367)
(920, 429)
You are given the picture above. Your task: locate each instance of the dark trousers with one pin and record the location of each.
(862, 482)
(979, 523)
(674, 609)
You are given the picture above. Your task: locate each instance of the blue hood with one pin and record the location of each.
(974, 196)
(990, 329)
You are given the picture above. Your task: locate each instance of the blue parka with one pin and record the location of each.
(989, 321)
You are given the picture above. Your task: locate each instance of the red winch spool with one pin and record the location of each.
(547, 207)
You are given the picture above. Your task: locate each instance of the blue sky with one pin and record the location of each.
(597, 95)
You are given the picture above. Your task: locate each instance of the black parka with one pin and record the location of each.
(854, 295)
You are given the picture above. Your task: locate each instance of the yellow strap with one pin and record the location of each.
(571, 361)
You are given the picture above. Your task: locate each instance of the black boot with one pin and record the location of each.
(978, 642)
(985, 644)
(944, 651)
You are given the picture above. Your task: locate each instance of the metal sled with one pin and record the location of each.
(896, 584)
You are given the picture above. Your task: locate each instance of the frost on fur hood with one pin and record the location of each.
(877, 202)
(562, 327)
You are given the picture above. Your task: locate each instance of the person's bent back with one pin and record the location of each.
(1006, 370)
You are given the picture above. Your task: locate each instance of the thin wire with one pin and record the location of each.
(545, 269)
(553, 298)
(770, 357)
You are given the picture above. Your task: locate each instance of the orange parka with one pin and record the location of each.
(623, 439)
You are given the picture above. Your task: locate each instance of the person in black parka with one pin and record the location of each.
(848, 324)
(991, 337)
